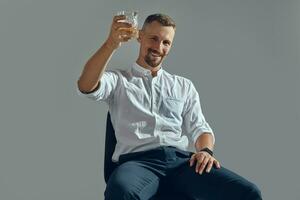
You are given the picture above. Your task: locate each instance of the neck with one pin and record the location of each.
(146, 66)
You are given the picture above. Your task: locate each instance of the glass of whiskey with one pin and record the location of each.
(132, 18)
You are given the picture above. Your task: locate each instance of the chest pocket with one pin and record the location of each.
(171, 107)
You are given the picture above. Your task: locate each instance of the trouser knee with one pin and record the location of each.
(240, 189)
(118, 193)
(254, 192)
(248, 190)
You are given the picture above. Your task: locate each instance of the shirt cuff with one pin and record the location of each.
(94, 94)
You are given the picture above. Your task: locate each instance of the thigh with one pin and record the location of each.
(218, 184)
(131, 180)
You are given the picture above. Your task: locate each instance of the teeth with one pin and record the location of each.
(155, 55)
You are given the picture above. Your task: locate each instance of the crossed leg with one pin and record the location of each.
(131, 180)
(217, 185)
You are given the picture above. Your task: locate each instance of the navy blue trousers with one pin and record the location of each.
(140, 175)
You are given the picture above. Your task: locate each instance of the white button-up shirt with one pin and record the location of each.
(148, 112)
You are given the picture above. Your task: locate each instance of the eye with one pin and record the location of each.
(167, 43)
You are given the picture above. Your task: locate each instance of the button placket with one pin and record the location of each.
(154, 107)
(148, 88)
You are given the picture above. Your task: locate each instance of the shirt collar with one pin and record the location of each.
(144, 72)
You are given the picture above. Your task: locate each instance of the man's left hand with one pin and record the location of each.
(203, 160)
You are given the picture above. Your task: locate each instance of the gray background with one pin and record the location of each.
(243, 57)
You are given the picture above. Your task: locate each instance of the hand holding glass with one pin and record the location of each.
(132, 18)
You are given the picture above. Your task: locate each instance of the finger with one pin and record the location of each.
(203, 165)
(126, 31)
(118, 25)
(217, 163)
(199, 162)
(123, 38)
(119, 17)
(209, 165)
(126, 39)
(192, 160)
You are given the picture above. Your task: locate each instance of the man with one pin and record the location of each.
(155, 115)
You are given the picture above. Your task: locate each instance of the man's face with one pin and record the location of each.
(155, 44)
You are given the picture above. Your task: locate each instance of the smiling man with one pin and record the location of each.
(155, 116)
(156, 41)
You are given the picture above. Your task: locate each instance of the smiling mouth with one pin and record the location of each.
(154, 54)
(153, 58)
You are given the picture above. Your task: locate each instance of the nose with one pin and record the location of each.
(158, 46)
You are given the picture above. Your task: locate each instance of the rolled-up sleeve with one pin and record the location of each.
(194, 122)
(105, 88)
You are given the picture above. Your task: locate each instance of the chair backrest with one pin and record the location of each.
(110, 144)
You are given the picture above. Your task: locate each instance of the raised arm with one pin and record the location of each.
(96, 65)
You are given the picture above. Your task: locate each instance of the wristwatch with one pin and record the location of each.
(208, 151)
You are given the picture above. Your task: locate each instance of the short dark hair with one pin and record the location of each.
(163, 19)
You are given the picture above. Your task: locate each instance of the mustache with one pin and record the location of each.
(154, 51)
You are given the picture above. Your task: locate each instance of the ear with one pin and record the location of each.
(139, 36)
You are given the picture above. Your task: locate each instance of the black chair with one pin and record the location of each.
(109, 166)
